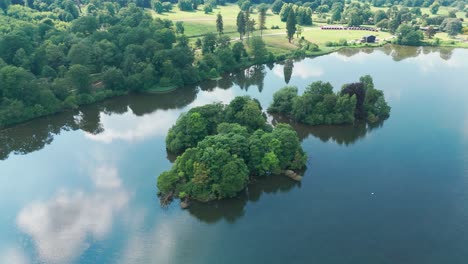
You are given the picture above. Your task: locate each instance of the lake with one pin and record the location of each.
(80, 187)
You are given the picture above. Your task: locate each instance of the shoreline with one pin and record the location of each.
(291, 55)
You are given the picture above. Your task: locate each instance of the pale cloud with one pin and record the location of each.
(303, 69)
(60, 226)
(13, 256)
(132, 128)
(360, 57)
(217, 95)
(106, 177)
(155, 246)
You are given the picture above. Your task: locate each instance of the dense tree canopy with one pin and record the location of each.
(408, 35)
(114, 48)
(222, 146)
(320, 105)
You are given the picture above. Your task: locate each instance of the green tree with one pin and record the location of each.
(179, 27)
(283, 100)
(79, 78)
(379, 16)
(434, 8)
(85, 25)
(291, 25)
(452, 26)
(80, 53)
(276, 6)
(430, 32)
(238, 51)
(250, 27)
(219, 24)
(113, 79)
(208, 43)
(259, 51)
(262, 10)
(241, 26)
(407, 35)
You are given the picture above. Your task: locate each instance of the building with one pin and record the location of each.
(368, 39)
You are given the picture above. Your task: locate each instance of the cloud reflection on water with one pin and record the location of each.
(303, 69)
(132, 128)
(13, 256)
(61, 226)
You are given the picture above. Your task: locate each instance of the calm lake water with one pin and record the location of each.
(80, 187)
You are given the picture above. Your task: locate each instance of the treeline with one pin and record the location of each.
(223, 146)
(320, 105)
(47, 65)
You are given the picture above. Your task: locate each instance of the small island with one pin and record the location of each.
(319, 105)
(222, 147)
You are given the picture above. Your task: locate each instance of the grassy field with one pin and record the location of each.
(197, 23)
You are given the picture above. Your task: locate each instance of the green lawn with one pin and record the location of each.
(197, 23)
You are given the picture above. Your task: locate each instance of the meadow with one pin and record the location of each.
(197, 23)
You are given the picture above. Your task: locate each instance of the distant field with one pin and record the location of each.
(197, 23)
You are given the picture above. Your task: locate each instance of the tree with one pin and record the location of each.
(4, 4)
(179, 27)
(298, 31)
(250, 27)
(224, 146)
(276, 6)
(79, 78)
(259, 51)
(285, 11)
(238, 51)
(262, 9)
(80, 53)
(113, 79)
(241, 24)
(219, 23)
(85, 25)
(207, 9)
(291, 25)
(208, 43)
(320, 105)
(407, 35)
(430, 32)
(434, 8)
(283, 100)
(379, 16)
(452, 26)
(157, 6)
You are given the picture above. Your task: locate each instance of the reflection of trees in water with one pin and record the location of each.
(254, 75)
(232, 209)
(288, 70)
(349, 52)
(36, 134)
(399, 53)
(341, 134)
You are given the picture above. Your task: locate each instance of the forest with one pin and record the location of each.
(319, 105)
(53, 61)
(226, 146)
